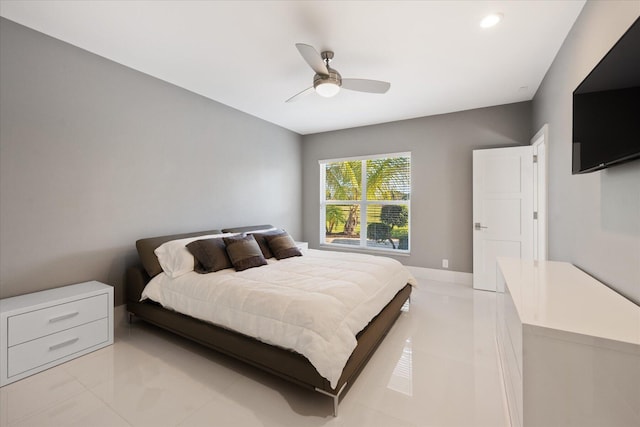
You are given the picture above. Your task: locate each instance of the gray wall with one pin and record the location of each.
(441, 149)
(94, 155)
(594, 219)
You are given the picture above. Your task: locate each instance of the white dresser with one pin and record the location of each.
(46, 328)
(569, 347)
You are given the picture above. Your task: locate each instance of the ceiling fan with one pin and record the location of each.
(327, 81)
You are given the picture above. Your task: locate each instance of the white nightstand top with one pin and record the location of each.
(61, 294)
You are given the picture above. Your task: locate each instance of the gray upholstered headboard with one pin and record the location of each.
(246, 229)
(148, 245)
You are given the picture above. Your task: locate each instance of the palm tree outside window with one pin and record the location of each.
(365, 202)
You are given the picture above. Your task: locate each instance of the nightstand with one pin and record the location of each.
(43, 329)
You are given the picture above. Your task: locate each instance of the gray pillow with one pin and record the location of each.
(244, 252)
(210, 254)
(262, 242)
(282, 245)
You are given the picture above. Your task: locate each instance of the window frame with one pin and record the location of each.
(363, 203)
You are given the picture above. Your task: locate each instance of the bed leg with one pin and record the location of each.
(335, 397)
(335, 405)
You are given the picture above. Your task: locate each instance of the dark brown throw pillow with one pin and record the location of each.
(210, 254)
(262, 242)
(282, 245)
(244, 252)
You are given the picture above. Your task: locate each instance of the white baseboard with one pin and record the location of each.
(449, 276)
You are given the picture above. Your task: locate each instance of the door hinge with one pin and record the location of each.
(535, 158)
(535, 215)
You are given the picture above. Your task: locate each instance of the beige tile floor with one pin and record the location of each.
(437, 367)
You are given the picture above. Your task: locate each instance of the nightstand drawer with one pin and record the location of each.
(32, 354)
(39, 323)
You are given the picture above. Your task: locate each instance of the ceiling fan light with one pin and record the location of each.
(327, 89)
(491, 20)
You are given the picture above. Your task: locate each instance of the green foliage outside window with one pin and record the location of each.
(387, 181)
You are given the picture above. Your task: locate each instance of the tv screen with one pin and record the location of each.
(606, 108)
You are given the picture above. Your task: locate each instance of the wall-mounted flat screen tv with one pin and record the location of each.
(606, 108)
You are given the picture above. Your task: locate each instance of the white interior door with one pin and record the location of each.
(502, 209)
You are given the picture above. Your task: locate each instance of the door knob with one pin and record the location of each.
(479, 226)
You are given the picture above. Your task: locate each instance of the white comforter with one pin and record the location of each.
(314, 304)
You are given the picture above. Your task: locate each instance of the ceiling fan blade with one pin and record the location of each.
(313, 58)
(364, 85)
(299, 95)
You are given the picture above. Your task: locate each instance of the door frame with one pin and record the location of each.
(539, 142)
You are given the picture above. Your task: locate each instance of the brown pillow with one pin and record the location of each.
(244, 252)
(282, 245)
(210, 254)
(262, 242)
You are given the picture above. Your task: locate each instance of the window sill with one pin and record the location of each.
(358, 249)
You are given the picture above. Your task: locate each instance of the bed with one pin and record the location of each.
(150, 296)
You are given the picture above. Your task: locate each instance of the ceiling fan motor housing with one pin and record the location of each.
(333, 77)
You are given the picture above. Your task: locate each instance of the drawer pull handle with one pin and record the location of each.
(63, 316)
(63, 343)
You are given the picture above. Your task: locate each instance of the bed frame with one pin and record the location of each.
(284, 363)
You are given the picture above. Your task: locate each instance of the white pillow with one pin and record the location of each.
(174, 257)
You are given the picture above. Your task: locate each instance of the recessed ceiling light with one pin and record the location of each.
(491, 20)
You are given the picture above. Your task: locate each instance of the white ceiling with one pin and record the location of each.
(242, 53)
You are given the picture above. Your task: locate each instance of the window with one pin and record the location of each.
(365, 202)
